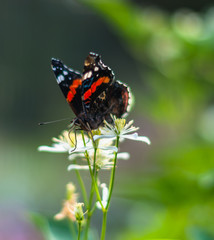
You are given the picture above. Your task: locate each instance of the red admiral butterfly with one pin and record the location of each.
(94, 95)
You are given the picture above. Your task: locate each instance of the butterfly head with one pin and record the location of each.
(91, 61)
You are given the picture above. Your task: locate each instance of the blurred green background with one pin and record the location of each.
(164, 50)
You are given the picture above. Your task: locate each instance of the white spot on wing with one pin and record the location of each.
(96, 69)
(72, 70)
(60, 78)
(87, 75)
(65, 72)
(102, 64)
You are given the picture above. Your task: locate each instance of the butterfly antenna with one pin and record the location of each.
(59, 120)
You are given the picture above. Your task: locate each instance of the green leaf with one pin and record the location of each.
(51, 229)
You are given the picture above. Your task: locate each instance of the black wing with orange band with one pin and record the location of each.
(97, 77)
(70, 82)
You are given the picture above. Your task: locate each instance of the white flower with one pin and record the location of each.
(67, 142)
(105, 195)
(104, 160)
(122, 130)
(73, 144)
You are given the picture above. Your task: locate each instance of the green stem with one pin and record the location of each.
(72, 229)
(103, 233)
(97, 192)
(82, 186)
(95, 156)
(111, 184)
(79, 229)
(92, 175)
(89, 211)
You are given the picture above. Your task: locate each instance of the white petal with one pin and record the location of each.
(107, 167)
(77, 167)
(71, 157)
(135, 137)
(144, 139)
(129, 130)
(128, 124)
(56, 140)
(132, 136)
(79, 149)
(105, 192)
(123, 156)
(98, 205)
(106, 131)
(110, 148)
(105, 195)
(58, 149)
(103, 136)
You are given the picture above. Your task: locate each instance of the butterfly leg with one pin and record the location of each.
(75, 135)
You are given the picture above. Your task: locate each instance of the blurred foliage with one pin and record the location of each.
(57, 230)
(178, 52)
(53, 230)
(175, 54)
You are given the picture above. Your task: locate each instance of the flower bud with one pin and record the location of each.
(78, 211)
(70, 190)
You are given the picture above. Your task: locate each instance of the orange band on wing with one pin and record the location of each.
(87, 94)
(94, 86)
(76, 83)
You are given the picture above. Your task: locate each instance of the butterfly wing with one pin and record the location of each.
(119, 99)
(70, 82)
(116, 100)
(97, 77)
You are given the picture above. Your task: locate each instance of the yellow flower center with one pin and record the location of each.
(119, 124)
(96, 132)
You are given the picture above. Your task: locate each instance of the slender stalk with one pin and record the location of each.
(103, 233)
(92, 187)
(95, 156)
(92, 175)
(72, 228)
(87, 227)
(79, 229)
(111, 184)
(96, 187)
(82, 186)
(89, 211)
